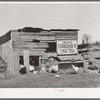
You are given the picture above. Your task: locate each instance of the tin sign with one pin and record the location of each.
(66, 47)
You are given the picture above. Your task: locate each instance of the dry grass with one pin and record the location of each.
(48, 80)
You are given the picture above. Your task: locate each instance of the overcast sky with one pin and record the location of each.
(83, 16)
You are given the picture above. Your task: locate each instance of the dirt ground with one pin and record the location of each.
(48, 80)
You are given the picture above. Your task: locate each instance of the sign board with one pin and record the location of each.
(66, 47)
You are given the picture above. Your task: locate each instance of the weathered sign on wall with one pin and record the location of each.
(66, 47)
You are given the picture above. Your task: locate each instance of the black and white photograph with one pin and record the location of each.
(50, 45)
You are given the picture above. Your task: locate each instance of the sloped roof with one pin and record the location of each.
(31, 29)
(5, 38)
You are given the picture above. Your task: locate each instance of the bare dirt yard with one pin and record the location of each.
(48, 80)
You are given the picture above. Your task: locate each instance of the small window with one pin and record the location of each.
(52, 47)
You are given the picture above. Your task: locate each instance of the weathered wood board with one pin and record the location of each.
(16, 62)
(29, 45)
(7, 57)
(26, 59)
(37, 52)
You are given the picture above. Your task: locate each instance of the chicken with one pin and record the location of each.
(75, 68)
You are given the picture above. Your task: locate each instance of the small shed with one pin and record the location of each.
(24, 45)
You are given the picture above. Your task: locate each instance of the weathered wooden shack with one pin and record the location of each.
(23, 45)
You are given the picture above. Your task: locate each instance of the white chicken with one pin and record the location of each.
(75, 68)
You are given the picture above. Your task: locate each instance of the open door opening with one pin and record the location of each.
(21, 60)
(22, 68)
(34, 60)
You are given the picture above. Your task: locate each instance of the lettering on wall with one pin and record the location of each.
(66, 47)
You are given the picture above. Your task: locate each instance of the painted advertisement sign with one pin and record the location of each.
(66, 47)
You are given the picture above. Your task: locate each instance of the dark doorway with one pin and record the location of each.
(34, 60)
(21, 60)
(22, 68)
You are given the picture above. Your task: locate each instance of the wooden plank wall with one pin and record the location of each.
(7, 57)
(11, 58)
(25, 36)
(29, 45)
(23, 40)
(36, 52)
(70, 35)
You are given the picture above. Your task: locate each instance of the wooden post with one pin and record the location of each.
(11, 66)
(26, 59)
(85, 66)
(16, 62)
(39, 59)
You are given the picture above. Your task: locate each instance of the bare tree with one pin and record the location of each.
(86, 39)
